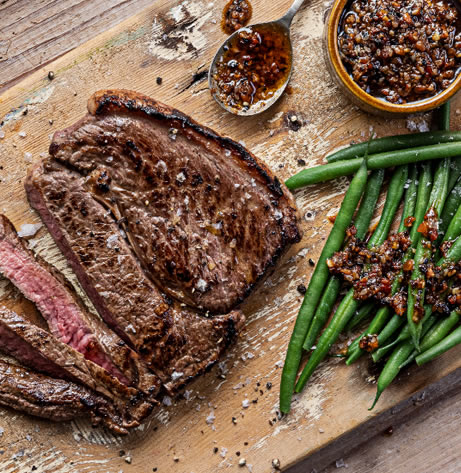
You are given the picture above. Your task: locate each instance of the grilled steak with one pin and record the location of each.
(165, 223)
(38, 349)
(204, 217)
(67, 318)
(176, 342)
(52, 398)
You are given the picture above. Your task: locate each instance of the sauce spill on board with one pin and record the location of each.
(236, 14)
(253, 66)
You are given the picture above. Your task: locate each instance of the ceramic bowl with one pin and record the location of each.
(357, 95)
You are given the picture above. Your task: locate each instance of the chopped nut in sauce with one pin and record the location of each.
(401, 50)
(236, 14)
(253, 67)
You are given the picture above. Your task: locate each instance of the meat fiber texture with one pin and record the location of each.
(120, 407)
(166, 224)
(66, 315)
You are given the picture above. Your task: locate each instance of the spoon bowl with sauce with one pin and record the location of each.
(253, 66)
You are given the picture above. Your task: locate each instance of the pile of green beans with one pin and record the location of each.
(401, 339)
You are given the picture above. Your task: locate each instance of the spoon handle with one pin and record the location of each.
(288, 17)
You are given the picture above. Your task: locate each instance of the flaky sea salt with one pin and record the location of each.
(211, 418)
(166, 401)
(176, 375)
(201, 285)
(112, 241)
(29, 229)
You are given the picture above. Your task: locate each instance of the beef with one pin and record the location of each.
(41, 351)
(67, 317)
(166, 225)
(204, 217)
(52, 398)
(176, 342)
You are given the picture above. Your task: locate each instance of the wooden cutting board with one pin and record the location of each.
(209, 429)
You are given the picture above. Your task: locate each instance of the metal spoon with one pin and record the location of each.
(283, 25)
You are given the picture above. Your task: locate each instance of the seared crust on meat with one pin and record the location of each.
(54, 399)
(170, 338)
(166, 224)
(39, 350)
(204, 217)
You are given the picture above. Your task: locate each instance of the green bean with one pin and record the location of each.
(422, 201)
(368, 203)
(449, 209)
(344, 312)
(354, 346)
(452, 254)
(437, 332)
(389, 329)
(454, 338)
(455, 172)
(349, 305)
(360, 315)
(329, 296)
(410, 196)
(423, 250)
(382, 351)
(362, 222)
(393, 143)
(399, 356)
(443, 119)
(454, 229)
(316, 285)
(426, 327)
(394, 193)
(413, 195)
(375, 161)
(391, 368)
(443, 116)
(394, 196)
(404, 335)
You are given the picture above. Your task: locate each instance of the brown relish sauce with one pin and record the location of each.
(252, 68)
(401, 50)
(372, 271)
(236, 14)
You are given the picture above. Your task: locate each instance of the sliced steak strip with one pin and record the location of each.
(177, 342)
(204, 217)
(54, 399)
(38, 349)
(67, 317)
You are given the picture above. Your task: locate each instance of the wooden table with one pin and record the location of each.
(35, 32)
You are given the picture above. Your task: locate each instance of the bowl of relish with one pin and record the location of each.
(395, 57)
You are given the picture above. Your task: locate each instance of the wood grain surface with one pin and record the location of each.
(176, 40)
(32, 33)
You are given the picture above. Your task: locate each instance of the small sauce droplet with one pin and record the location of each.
(236, 14)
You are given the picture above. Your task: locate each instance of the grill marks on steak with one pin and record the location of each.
(38, 349)
(52, 398)
(67, 318)
(176, 342)
(203, 216)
